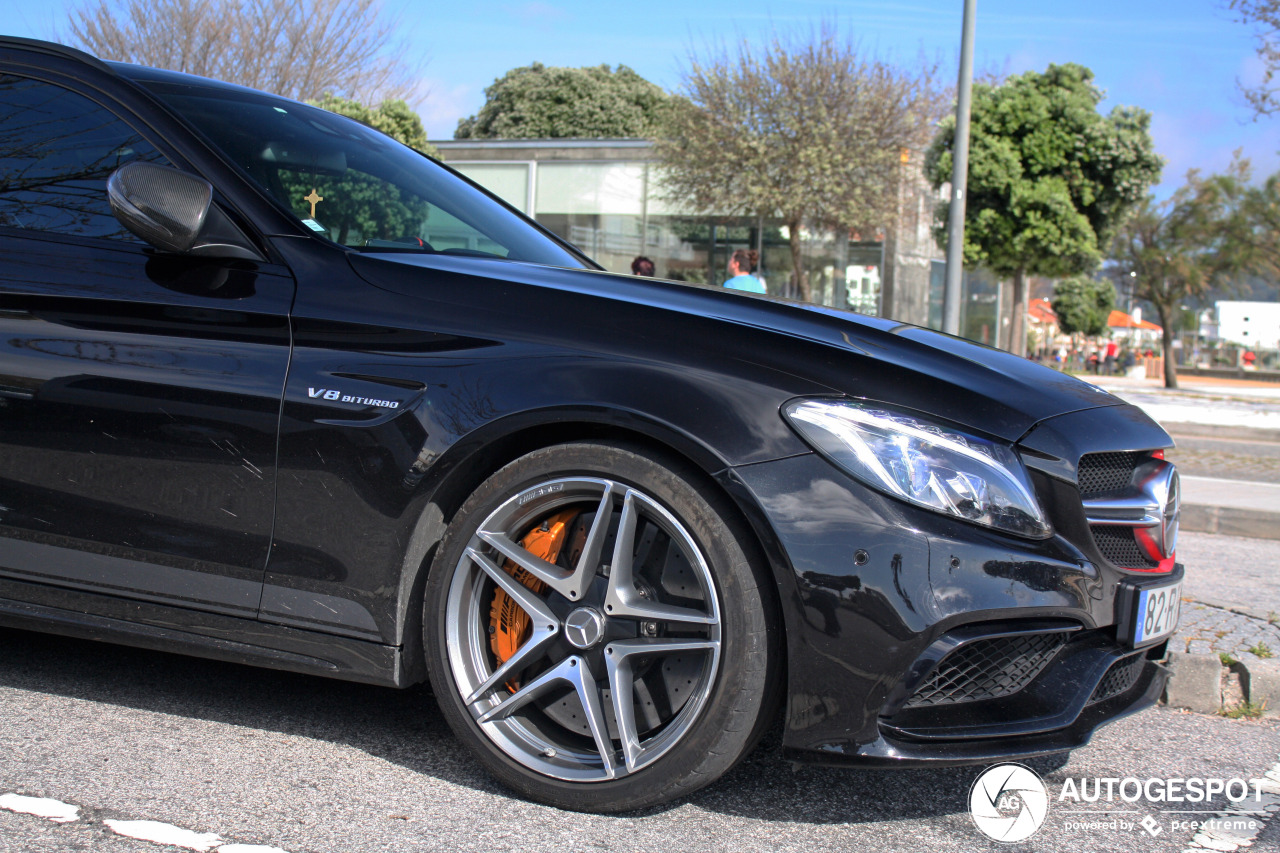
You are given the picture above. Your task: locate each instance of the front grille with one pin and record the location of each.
(1099, 473)
(1105, 474)
(1119, 545)
(987, 669)
(1122, 675)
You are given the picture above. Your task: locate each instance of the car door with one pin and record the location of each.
(139, 393)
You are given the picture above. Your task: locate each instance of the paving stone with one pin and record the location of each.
(1209, 457)
(1209, 629)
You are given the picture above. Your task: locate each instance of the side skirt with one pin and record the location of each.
(207, 635)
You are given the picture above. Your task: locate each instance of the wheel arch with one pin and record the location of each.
(476, 457)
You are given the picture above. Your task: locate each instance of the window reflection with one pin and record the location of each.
(57, 150)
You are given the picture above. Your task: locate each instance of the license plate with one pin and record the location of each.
(1156, 612)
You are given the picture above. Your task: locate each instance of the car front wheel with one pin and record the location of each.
(595, 630)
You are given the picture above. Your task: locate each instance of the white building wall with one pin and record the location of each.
(1252, 324)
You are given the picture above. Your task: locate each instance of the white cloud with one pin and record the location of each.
(441, 104)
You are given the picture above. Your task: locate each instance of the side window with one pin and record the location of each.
(57, 150)
(363, 210)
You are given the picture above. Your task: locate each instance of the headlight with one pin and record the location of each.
(935, 467)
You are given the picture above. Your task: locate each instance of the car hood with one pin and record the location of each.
(974, 386)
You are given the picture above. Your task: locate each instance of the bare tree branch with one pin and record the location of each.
(809, 128)
(1263, 16)
(300, 49)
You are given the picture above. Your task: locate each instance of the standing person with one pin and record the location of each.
(742, 264)
(642, 266)
(1109, 363)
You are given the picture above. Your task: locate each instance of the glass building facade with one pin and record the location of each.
(604, 197)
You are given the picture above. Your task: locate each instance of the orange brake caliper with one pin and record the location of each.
(509, 623)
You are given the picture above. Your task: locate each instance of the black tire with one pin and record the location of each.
(698, 670)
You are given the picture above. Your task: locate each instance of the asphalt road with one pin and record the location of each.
(305, 764)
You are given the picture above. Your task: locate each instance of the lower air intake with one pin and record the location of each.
(1122, 675)
(987, 669)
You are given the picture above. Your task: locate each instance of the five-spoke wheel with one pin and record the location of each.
(599, 634)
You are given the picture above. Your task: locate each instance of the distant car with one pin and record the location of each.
(277, 389)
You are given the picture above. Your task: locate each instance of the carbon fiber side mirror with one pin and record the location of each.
(174, 211)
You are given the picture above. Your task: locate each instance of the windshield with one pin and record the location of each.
(351, 184)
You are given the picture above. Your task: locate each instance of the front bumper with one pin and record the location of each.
(890, 750)
(875, 593)
(1083, 688)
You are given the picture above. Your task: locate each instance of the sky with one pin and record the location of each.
(1178, 59)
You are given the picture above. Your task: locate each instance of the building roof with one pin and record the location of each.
(544, 149)
(1120, 320)
(1040, 311)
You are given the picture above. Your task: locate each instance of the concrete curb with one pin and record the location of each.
(1207, 685)
(1264, 686)
(1230, 521)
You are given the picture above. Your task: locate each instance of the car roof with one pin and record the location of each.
(146, 74)
(52, 49)
(130, 71)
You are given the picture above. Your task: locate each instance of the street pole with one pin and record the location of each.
(959, 179)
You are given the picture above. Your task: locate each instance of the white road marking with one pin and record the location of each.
(1228, 841)
(55, 810)
(143, 830)
(165, 833)
(1249, 483)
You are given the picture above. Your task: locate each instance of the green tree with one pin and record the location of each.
(392, 117)
(1050, 178)
(537, 102)
(1180, 248)
(1255, 231)
(807, 128)
(1083, 305)
(356, 203)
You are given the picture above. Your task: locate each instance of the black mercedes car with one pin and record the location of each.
(279, 390)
